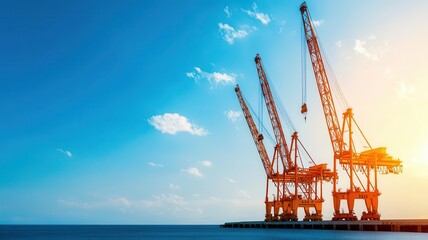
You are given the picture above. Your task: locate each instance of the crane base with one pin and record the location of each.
(313, 218)
(288, 218)
(370, 216)
(344, 217)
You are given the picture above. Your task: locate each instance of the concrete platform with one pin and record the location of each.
(396, 225)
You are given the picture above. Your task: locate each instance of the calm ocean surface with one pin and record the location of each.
(125, 232)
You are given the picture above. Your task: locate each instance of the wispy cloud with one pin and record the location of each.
(361, 49)
(74, 204)
(153, 164)
(170, 199)
(262, 17)
(233, 115)
(230, 34)
(174, 187)
(167, 204)
(207, 163)
(368, 48)
(150, 203)
(390, 74)
(172, 123)
(231, 180)
(244, 193)
(228, 13)
(121, 203)
(339, 43)
(404, 89)
(193, 171)
(215, 78)
(65, 152)
(281, 26)
(172, 202)
(317, 23)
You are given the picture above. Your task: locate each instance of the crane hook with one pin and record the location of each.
(304, 110)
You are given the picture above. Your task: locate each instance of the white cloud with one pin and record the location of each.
(215, 199)
(231, 180)
(262, 17)
(155, 164)
(65, 152)
(230, 34)
(244, 193)
(174, 187)
(207, 163)
(170, 199)
(150, 203)
(121, 203)
(190, 75)
(282, 24)
(193, 171)
(215, 78)
(317, 23)
(361, 49)
(404, 89)
(369, 50)
(233, 115)
(228, 13)
(390, 74)
(172, 202)
(339, 43)
(223, 78)
(74, 204)
(172, 123)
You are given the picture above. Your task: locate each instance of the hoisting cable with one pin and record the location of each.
(364, 136)
(262, 127)
(338, 94)
(306, 151)
(260, 105)
(304, 107)
(282, 111)
(336, 91)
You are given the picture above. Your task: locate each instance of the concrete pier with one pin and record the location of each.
(396, 225)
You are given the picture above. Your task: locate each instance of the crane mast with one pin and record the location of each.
(357, 165)
(273, 115)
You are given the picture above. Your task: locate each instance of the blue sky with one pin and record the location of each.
(125, 111)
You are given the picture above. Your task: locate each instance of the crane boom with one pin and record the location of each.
(274, 117)
(258, 138)
(324, 90)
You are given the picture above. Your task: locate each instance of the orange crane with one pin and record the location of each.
(359, 166)
(294, 185)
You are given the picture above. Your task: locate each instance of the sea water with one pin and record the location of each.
(127, 232)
